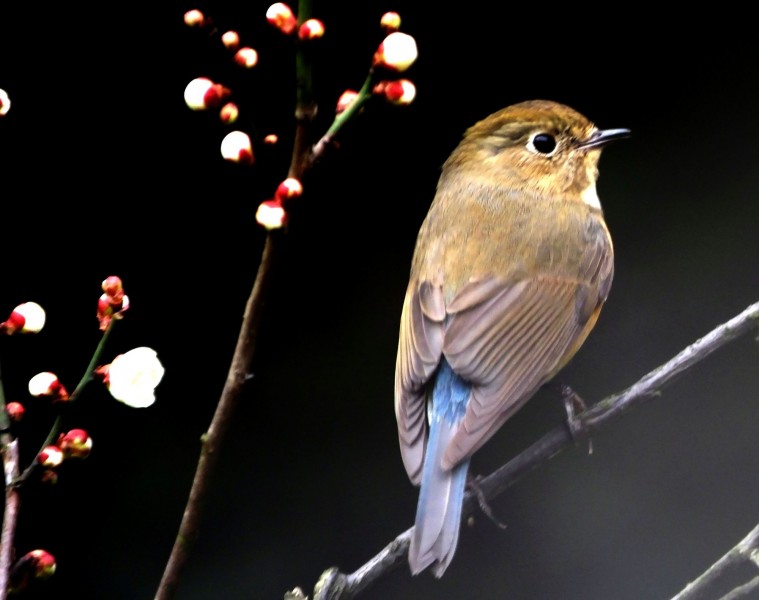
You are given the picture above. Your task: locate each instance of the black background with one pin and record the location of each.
(106, 171)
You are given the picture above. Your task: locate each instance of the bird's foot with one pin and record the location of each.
(473, 483)
(573, 404)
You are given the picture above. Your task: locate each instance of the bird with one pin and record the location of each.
(512, 265)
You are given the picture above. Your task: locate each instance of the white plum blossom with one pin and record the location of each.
(133, 377)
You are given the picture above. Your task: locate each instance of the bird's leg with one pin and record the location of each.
(473, 483)
(573, 403)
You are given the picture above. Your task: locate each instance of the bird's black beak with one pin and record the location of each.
(601, 137)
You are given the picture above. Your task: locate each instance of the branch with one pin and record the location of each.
(334, 585)
(746, 551)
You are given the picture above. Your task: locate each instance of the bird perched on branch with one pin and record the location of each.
(511, 268)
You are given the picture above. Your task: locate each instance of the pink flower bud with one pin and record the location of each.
(50, 456)
(5, 103)
(75, 444)
(281, 16)
(391, 21)
(113, 302)
(289, 188)
(271, 214)
(229, 113)
(35, 565)
(194, 18)
(202, 93)
(236, 147)
(397, 52)
(28, 317)
(231, 40)
(313, 29)
(112, 285)
(345, 100)
(246, 57)
(46, 384)
(400, 91)
(15, 411)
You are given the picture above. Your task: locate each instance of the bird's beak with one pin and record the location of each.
(602, 136)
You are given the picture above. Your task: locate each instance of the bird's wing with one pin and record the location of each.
(507, 346)
(419, 350)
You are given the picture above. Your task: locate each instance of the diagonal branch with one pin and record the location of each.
(334, 585)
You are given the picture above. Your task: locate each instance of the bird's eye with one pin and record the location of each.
(543, 143)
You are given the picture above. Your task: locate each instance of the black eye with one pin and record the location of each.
(544, 143)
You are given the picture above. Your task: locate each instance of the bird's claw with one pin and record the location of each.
(573, 404)
(482, 501)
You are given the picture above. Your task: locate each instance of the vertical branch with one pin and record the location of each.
(305, 111)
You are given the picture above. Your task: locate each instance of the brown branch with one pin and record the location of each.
(237, 376)
(10, 516)
(334, 585)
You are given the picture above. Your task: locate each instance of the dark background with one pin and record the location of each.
(106, 171)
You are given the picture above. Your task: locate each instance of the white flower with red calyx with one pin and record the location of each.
(281, 16)
(290, 188)
(231, 40)
(113, 302)
(5, 103)
(28, 317)
(246, 57)
(399, 91)
(236, 147)
(397, 52)
(50, 457)
(391, 21)
(202, 93)
(76, 443)
(271, 215)
(47, 384)
(312, 29)
(132, 377)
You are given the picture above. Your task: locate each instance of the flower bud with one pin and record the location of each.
(194, 18)
(50, 457)
(236, 147)
(246, 57)
(28, 317)
(35, 565)
(202, 93)
(75, 444)
(391, 21)
(271, 215)
(113, 286)
(397, 52)
(271, 139)
(231, 40)
(47, 384)
(400, 91)
(312, 29)
(345, 100)
(48, 477)
(281, 16)
(15, 411)
(229, 113)
(289, 188)
(5, 103)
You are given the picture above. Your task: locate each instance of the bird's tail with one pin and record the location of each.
(441, 497)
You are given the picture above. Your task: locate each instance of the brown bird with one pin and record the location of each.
(511, 268)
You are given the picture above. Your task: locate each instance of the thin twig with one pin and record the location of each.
(236, 378)
(334, 585)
